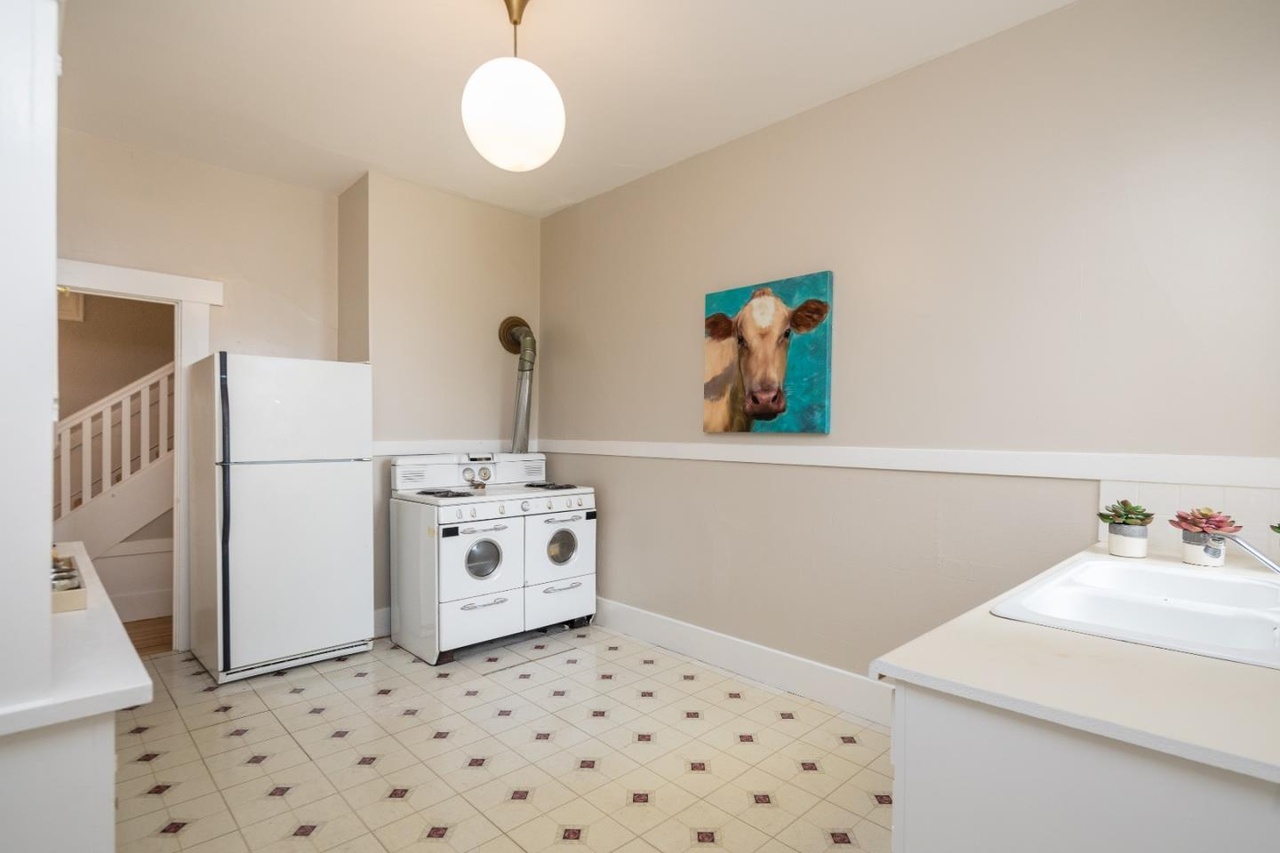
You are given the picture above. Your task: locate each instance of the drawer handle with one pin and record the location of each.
(563, 520)
(474, 606)
(497, 528)
(552, 589)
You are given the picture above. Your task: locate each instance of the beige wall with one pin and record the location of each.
(273, 245)
(430, 276)
(1039, 242)
(118, 341)
(353, 272)
(835, 565)
(1049, 240)
(443, 273)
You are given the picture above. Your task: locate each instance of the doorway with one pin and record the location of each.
(113, 469)
(190, 300)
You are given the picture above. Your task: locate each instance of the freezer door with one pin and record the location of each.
(298, 570)
(282, 409)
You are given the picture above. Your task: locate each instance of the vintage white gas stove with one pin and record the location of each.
(482, 546)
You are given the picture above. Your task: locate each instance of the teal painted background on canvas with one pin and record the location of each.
(808, 382)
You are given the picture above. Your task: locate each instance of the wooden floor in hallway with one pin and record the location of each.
(151, 636)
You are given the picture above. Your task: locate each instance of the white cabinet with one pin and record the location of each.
(970, 776)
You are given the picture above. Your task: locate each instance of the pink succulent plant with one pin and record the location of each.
(1205, 520)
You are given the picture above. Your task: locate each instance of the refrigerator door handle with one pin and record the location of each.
(226, 512)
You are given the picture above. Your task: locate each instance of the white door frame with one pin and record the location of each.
(191, 298)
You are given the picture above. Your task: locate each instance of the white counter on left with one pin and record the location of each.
(95, 667)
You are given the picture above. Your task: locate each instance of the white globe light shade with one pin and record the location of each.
(513, 114)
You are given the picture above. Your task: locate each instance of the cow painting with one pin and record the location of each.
(766, 365)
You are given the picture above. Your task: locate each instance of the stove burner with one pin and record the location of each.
(445, 493)
(550, 487)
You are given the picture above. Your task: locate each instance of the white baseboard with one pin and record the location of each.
(131, 607)
(382, 622)
(848, 691)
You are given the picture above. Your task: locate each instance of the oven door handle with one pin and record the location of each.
(552, 589)
(497, 528)
(474, 606)
(562, 520)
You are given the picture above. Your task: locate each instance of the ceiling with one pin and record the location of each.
(316, 92)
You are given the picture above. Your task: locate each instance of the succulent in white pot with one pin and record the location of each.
(1202, 535)
(1126, 528)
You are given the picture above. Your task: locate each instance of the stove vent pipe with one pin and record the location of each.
(517, 337)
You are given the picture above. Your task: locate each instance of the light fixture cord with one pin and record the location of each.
(515, 39)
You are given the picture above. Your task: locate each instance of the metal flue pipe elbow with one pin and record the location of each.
(517, 337)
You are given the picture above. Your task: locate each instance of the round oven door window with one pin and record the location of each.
(562, 546)
(483, 558)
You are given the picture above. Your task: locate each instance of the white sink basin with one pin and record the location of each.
(1218, 613)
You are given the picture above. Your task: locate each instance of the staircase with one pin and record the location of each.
(113, 464)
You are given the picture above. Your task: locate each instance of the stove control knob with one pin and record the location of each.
(579, 501)
(468, 474)
(568, 503)
(524, 506)
(549, 505)
(459, 513)
(502, 509)
(485, 474)
(473, 512)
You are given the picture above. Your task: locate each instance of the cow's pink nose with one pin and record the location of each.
(766, 397)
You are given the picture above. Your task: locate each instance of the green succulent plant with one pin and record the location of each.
(1126, 512)
(1276, 528)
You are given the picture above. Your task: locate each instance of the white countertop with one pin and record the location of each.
(95, 667)
(1210, 711)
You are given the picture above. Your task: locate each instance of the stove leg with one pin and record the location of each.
(581, 622)
(442, 658)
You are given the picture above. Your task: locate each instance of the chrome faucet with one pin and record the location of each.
(1216, 539)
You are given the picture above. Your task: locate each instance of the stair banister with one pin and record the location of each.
(81, 423)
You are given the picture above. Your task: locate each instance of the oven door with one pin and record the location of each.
(481, 557)
(559, 545)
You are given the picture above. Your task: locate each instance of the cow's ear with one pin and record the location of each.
(809, 314)
(719, 327)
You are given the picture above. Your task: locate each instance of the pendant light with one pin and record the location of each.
(512, 111)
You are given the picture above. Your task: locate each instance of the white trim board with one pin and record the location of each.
(84, 277)
(1242, 471)
(444, 445)
(847, 691)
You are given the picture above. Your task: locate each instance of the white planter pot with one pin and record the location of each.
(1127, 540)
(1199, 550)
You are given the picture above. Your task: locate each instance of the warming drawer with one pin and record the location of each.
(559, 601)
(474, 620)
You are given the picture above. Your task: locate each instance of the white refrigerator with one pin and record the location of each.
(281, 487)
